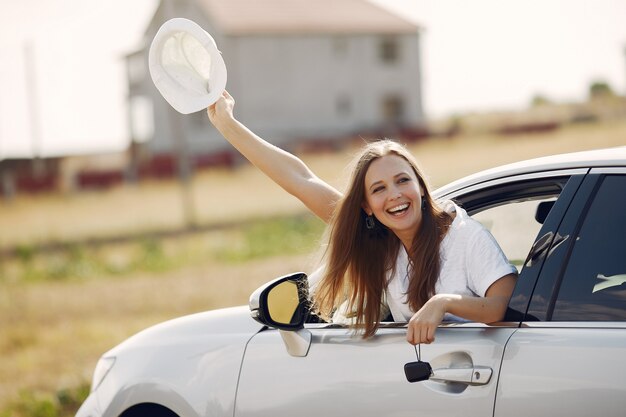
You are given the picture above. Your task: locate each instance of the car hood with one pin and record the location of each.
(208, 324)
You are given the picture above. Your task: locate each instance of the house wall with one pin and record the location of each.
(290, 87)
(321, 86)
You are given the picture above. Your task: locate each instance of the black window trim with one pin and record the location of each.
(493, 182)
(597, 175)
(589, 197)
(593, 182)
(552, 229)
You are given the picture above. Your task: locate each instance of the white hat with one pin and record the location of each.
(186, 66)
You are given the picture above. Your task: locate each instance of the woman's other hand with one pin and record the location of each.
(487, 309)
(424, 323)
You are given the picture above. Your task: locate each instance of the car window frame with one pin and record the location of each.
(474, 197)
(571, 179)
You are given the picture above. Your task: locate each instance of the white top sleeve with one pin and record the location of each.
(485, 262)
(471, 259)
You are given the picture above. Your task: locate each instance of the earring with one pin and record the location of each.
(369, 222)
(423, 204)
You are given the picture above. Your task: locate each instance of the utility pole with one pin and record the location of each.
(184, 167)
(182, 152)
(624, 92)
(32, 99)
(7, 185)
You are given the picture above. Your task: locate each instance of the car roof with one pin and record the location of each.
(609, 157)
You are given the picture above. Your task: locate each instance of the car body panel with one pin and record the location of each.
(582, 370)
(190, 365)
(344, 375)
(573, 368)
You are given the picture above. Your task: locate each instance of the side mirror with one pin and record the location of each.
(543, 209)
(282, 303)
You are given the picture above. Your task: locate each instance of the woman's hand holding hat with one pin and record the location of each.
(222, 110)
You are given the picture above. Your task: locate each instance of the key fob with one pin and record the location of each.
(417, 371)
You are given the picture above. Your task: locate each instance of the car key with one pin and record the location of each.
(419, 370)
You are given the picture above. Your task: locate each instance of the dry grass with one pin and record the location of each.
(445, 161)
(51, 333)
(226, 195)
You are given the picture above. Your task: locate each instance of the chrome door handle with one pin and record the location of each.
(479, 375)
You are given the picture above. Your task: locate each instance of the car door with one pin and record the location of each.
(569, 356)
(342, 374)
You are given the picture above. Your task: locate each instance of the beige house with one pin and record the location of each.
(300, 70)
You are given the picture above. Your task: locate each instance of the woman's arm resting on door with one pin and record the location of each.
(487, 309)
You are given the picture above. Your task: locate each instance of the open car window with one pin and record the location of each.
(513, 210)
(515, 226)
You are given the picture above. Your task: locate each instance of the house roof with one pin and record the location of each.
(248, 17)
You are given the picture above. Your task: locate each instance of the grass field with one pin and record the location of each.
(225, 196)
(60, 311)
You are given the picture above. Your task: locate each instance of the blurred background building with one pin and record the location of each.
(310, 73)
(79, 110)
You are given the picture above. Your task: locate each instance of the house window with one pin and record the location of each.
(136, 68)
(141, 118)
(340, 46)
(393, 109)
(343, 105)
(200, 119)
(389, 49)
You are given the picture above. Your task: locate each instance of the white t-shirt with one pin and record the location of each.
(471, 260)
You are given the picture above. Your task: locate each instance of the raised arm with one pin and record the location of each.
(283, 168)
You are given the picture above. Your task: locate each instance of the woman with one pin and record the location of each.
(388, 238)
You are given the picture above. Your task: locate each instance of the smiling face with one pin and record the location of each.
(394, 196)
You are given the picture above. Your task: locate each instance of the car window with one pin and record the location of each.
(593, 287)
(514, 226)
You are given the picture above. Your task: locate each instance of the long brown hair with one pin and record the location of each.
(360, 261)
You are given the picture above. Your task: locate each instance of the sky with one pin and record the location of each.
(63, 86)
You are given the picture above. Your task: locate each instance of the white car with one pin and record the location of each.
(560, 351)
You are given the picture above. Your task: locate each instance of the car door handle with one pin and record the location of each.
(479, 375)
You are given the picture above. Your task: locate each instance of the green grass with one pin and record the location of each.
(284, 236)
(288, 235)
(63, 403)
(83, 261)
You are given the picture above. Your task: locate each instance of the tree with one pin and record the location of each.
(599, 90)
(540, 100)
